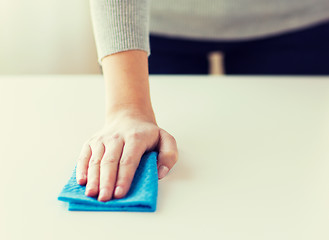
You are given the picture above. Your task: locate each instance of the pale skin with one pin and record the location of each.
(109, 159)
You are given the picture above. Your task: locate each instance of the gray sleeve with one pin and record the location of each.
(120, 25)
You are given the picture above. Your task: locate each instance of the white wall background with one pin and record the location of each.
(46, 37)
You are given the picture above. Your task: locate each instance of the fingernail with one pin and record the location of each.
(163, 170)
(103, 194)
(81, 176)
(118, 191)
(81, 180)
(90, 191)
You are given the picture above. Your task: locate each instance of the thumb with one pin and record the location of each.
(168, 153)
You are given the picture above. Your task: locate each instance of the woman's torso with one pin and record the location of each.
(238, 19)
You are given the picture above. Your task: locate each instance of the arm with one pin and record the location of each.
(109, 159)
(126, 83)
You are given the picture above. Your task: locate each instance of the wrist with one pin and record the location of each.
(127, 84)
(134, 110)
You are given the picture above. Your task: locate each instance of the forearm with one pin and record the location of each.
(127, 83)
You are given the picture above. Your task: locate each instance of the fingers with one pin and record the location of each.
(168, 153)
(82, 165)
(133, 150)
(92, 186)
(109, 167)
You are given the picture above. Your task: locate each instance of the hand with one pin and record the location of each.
(109, 159)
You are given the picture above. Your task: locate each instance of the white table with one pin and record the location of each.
(253, 158)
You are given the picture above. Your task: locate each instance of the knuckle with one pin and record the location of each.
(94, 161)
(128, 160)
(106, 187)
(136, 135)
(172, 139)
(110, 160)
(113, 138)
(173, 155)
(124, 179)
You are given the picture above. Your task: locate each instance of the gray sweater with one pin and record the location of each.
(121, 25)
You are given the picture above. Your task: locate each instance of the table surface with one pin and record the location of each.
(253, 158)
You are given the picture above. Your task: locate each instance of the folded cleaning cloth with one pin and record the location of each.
(142, 195)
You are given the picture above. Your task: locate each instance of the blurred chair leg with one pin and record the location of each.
(216, 63)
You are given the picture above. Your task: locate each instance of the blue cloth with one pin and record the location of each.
(142, 195)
